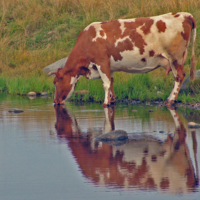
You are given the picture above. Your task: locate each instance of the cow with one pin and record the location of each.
(137, 45)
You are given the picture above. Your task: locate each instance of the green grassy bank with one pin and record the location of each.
(36, 33)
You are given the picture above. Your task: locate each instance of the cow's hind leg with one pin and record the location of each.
(179, 74)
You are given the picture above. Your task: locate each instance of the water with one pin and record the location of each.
(51, 153)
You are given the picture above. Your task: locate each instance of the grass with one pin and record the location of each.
(23, 85)
(36, 33)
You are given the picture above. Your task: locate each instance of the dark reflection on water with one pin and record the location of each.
(50, 152)
(143, 162)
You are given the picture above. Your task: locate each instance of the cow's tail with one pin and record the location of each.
(193, 62)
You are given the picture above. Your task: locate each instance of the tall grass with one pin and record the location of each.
(36, 33)
(21, 85)
(143, 87)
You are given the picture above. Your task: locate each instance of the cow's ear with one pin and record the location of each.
(83, 71)
(82, 66)
(59, 74)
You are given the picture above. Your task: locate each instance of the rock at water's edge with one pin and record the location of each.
(54, 66)
(15, 111)
(113, 135)
(32, 94)
(185, 85)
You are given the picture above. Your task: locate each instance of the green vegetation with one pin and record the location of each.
(36, 33)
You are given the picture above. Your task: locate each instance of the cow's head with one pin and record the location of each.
(65, 83)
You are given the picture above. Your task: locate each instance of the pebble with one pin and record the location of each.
(15, 111)
(193, 125)
(113, 135)
(44, 94)
(161, 131)
(82, 92)
(159, 92)
(32, 94)
(32, 97)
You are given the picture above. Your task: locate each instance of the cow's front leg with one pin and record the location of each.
(104, 72)
(106, 86)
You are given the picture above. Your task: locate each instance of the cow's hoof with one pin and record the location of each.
(170, 104)
(106, 105)
(113, 100)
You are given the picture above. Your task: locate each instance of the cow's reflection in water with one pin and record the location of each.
(142, 164)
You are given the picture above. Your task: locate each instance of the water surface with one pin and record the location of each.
(51, 153)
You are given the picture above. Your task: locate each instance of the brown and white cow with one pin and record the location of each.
(137, 45)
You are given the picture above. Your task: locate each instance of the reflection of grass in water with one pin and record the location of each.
(93, 110)
(121, 110)
(190, 115)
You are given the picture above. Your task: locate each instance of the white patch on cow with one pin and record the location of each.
(94, 74)
(131, 62)
(73, 82)
(98, 35)
(92, 24)
(122, 27)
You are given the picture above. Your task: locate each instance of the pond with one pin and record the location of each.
(51, 153)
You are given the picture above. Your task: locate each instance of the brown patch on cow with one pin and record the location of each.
(143, 60)
(180, 72)
(176, 14)
(94, 67)
(147, 26)
(113, 33)
(176, 95)
(138, 40)
(161, 26)
(112, 30)
(102, 33)
(164, 184)
(130, 30)
(92, 32)
(125, 45)
(188, 24)
(151, 53)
